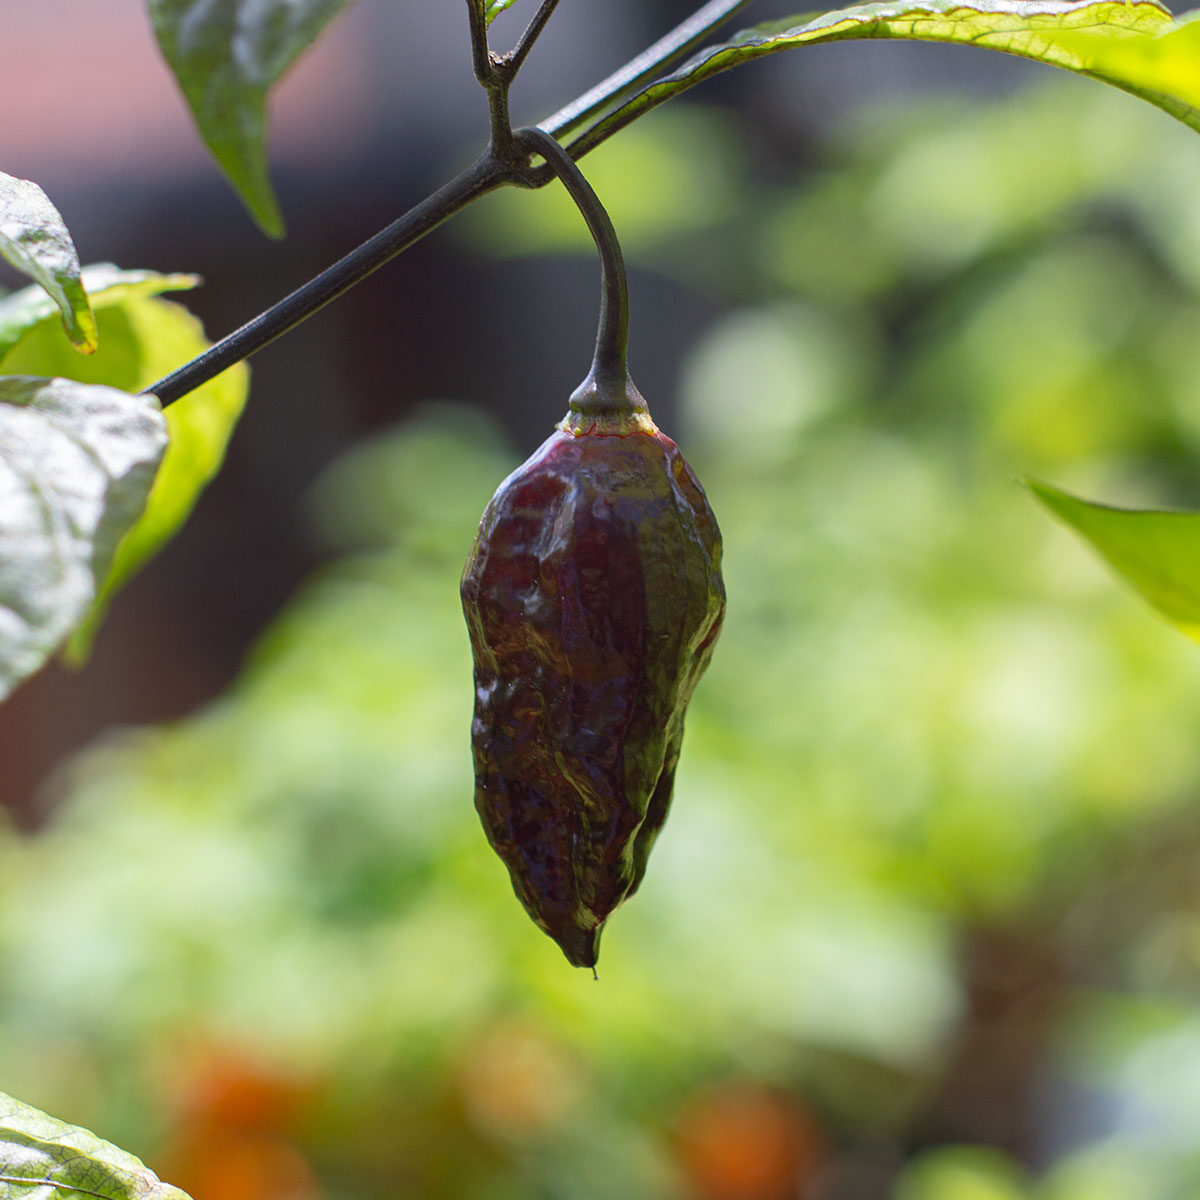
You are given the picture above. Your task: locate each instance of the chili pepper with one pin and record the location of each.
(593, 597)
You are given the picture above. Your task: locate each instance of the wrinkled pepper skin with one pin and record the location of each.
(593, 597)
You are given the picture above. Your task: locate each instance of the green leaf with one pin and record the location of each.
(1077, 35)
(1157, 552)
(34, 239)
(227, 54)
(144, 338)
(42, 1158)
(200, 425)
(493, 8)
(76, 466)
(1163, 63)
(105, 284)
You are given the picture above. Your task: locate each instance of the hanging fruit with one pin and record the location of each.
(593, 597)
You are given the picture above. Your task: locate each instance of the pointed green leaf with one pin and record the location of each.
(42, 1158)
(105, 284)
(143, 339)
(1157, 552)
(227, 54)
(1077, 35)
(76, 466)
(34, 239)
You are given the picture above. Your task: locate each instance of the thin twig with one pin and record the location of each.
(495, 81)
(514, 60)
(612, 336)
(481, 57)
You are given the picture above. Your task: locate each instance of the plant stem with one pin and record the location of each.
(491, 171)
(481, 177)
(612, 336)
(495, 82)
(481, 56)
(513, 61)
(606, 401)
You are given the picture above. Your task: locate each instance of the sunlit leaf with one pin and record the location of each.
(227, 54)
(1077, 35)
(200, 426)
(34, 239)
(1163, 63)
(105, 284)
(76, 465)
(143, 339)
(42, 1158)
(1157, 552)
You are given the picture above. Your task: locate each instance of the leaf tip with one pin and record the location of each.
(258, 196)
(80, 327)
(271, 224)
(1048, 495)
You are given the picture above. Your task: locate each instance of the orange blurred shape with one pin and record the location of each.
(215, 1162)
(746, 1141)
(232, 1138)
(229, 1086)
(516, 1082)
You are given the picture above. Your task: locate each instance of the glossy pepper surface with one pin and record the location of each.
(593, 597)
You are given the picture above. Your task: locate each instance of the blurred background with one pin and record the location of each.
(925, 921)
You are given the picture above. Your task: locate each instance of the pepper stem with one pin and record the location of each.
(607, 402)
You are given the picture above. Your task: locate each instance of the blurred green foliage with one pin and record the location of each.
(924, 922)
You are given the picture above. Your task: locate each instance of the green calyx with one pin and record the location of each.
(607, 406)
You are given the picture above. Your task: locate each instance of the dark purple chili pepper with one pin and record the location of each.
(593, 596)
